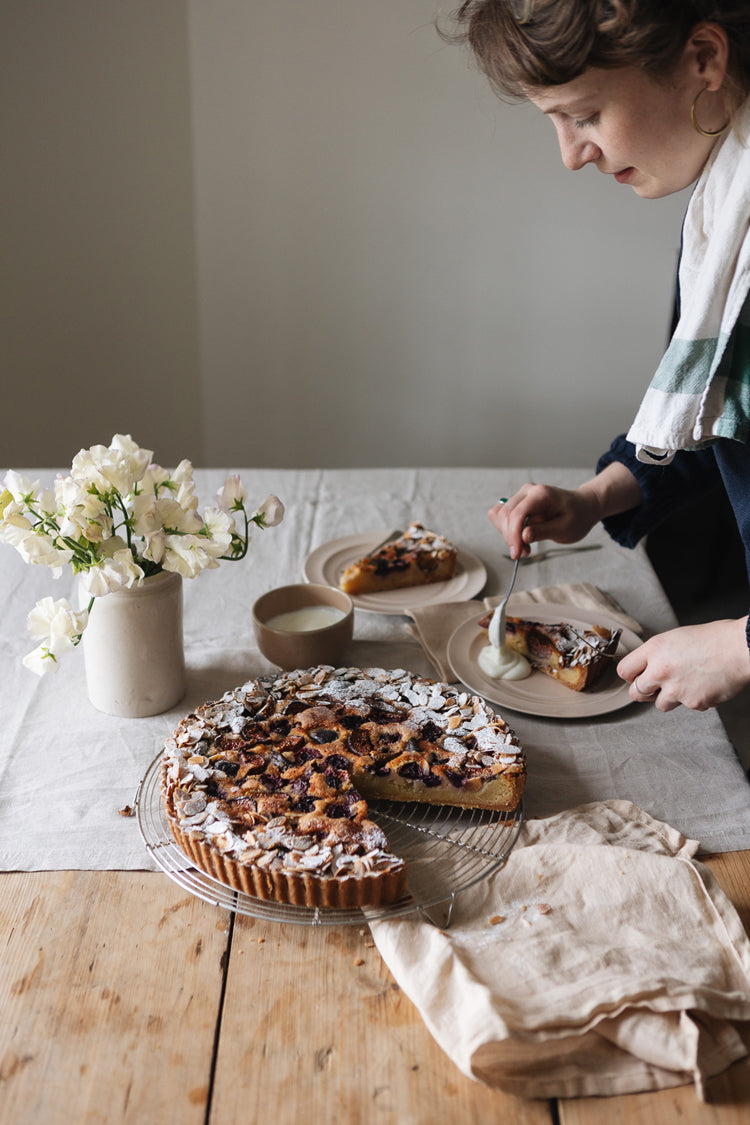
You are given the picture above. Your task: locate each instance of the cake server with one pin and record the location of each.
(395, 534)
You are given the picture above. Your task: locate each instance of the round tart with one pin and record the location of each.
(266, 788)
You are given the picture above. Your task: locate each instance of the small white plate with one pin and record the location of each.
(327, 563)
(539, 694)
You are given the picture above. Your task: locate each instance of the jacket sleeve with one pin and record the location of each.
(665, 488)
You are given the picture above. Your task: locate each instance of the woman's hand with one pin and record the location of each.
(541, 511)
(698, 666)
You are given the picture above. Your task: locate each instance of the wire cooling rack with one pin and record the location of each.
(446, 851)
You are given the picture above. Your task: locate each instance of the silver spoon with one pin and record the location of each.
(496, 628)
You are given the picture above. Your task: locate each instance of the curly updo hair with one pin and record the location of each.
(532, 44)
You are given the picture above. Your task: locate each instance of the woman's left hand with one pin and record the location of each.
(698, 666)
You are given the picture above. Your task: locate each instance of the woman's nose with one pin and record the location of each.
(576, 150)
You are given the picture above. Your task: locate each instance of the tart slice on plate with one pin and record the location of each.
(416, 558)
(574, 656)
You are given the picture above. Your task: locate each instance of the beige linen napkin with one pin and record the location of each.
(433, 625)
(602, 959)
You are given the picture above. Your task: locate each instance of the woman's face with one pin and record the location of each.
(632, 127)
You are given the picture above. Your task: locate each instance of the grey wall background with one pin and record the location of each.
(304, 234)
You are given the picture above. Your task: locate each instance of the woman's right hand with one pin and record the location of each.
(542, 511)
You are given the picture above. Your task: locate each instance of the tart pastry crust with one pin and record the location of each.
(416, 558)
(266, 788)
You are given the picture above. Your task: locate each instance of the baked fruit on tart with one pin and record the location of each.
(575, 657)
(266, 789)
(415, 558)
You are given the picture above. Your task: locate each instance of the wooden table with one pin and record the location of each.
(126, 999)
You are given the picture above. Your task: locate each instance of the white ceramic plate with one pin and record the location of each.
(539, 694)
(326, 563)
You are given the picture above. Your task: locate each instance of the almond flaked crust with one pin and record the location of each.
(417, 558)
(265, 789)
(575, 657)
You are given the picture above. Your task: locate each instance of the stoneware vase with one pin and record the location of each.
(133, 648)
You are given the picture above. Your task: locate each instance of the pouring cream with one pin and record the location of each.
(503, 663)
(306, 618)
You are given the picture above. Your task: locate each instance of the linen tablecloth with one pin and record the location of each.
(66, 770)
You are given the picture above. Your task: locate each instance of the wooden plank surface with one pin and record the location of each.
(114, 988)
(109, 993)
(728, 1095)
(313, 1020)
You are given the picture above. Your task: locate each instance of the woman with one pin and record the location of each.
(655, 94)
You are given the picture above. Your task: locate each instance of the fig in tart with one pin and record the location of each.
(266, 788)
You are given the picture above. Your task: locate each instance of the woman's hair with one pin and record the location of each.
(531, 44)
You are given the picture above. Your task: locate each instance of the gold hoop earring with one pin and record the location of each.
(699, 129)
(523, 10)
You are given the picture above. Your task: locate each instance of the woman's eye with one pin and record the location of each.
(592, 120)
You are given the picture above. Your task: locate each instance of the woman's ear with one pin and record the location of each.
(708, 54)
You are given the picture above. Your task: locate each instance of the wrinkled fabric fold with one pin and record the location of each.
(602, 959)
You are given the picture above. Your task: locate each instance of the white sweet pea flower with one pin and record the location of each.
(219, 526)
(115, 546)
(231, 496)
(184, 471)
(56, 623)
(148, 523)
(117, 570)
(173, 517)
(131, 456)
(33, 546)
(153, 480)
(85, 469)
(187, 555)
(183, 487)
(105, 578)
(40, 661)
(12, 513)
(186, 497)
(70, 493)
(119, 466)
(145, 514)
(20, 487)
(96, 581)
(81, 512)
(59, 627)
(155, 545)
(42, 550)
(47, 502)
(14, 525)
(270, 513)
